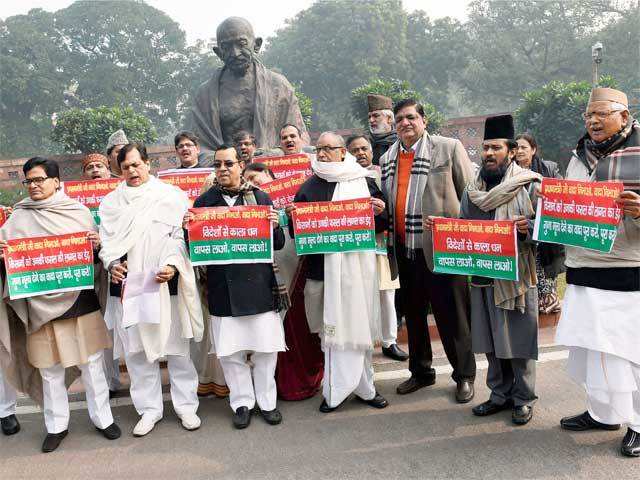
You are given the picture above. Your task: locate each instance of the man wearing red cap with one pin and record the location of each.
(599, 319)
(94, 166)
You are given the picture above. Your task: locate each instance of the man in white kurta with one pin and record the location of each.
(141, 234)
(601, 312)
(346, 302)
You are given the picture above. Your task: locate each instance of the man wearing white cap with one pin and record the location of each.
(599, 320)
(116, 141)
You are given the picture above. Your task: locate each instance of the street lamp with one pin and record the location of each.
(597, 53)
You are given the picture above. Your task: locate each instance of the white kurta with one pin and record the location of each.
(262, 332)
(601, 329)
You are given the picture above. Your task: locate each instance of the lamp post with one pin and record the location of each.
(597, 53)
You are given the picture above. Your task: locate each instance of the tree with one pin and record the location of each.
(306, 107)
(520, 45)
(336, 45)
(396, 90)
(552, 114)
(88, 130)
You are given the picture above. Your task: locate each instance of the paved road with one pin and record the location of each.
(422, 435)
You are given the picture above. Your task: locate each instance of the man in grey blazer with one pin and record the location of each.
(425, 175)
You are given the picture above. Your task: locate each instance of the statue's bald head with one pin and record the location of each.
(234, 26)
(236, 44)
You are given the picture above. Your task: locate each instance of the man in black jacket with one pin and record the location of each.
(347, 337)
(243, 302)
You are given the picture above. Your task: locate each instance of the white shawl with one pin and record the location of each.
(351, 298)
(126, 215)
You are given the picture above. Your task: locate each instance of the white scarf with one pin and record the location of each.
(351, 298)
(125, 216)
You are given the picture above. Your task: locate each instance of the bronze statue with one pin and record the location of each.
(243, 94)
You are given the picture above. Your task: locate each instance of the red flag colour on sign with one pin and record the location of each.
(487, 248)
(288, 165)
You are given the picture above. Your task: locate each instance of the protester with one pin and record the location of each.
(360, 148)
(414, 158)
(95, 166)
(244, 304)
(299, 370)
(599, 321)
(188, 151)
(341, 287)
(245, 143)
(549, 256)
(381, 125)
(504, 313)
(141, 233)
(116, 141)
(291, 141)
(53, 332)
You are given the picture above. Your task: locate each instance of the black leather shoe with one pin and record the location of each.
(631, 444)
(10, 425)
(325, 408)
(521, 415)
(111, 432)
(464, 391)
(272, 417)
(415, 383)
(53, 441)
(395, 352)
(376, 402)
(584, 421)
(489, 408)
(242, 418)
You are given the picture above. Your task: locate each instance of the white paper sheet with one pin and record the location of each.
(141, 299)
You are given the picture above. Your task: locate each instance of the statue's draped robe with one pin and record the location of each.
(275, 105)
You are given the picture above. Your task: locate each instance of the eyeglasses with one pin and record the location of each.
(37, 180)
(185, 145)
(600, 115)
(228, 164)
(326, 148)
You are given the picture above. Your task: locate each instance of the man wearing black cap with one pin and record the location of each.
(504, 314)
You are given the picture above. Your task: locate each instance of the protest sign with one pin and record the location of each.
(91, 192)
(3, 216)
(288, 165)
(487, 248)
(330, 227)
(283, 190)
(51, 264)
(189, 180)
(224, 235)
(581, 214)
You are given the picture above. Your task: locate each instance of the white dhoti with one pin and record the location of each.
(146, 382)
(7, 397)
(601, 329)
(347, 372)
(388, 318)
(234, 339)
(56, 400)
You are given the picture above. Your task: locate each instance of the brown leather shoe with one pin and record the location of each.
(415, 383)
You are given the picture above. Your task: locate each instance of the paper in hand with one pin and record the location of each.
(141, 299)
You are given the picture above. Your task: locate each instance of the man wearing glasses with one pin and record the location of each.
(425, 175)
(599, 319)
(188, 151)
(244, 300)
(341, 292)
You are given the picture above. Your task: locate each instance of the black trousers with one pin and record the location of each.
(448, 296)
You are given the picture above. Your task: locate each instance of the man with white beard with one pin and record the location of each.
(381, 125)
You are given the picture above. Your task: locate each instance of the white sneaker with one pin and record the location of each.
(145, 424)
(190, 421)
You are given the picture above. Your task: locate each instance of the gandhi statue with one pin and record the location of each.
(243, 94)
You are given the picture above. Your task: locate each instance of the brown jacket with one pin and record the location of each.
(450, 171)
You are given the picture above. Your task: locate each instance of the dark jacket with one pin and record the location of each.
(315, 189)
(240, 289)
(204, 161)
(381, 143)
(551, 255)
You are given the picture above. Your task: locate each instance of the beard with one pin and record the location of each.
(380, 129)
(493, 177)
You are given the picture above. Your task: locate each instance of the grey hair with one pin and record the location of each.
(341, 142)
(390, 115)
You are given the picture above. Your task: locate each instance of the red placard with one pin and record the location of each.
(282, 191)
(188, 180)
(288, 165)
